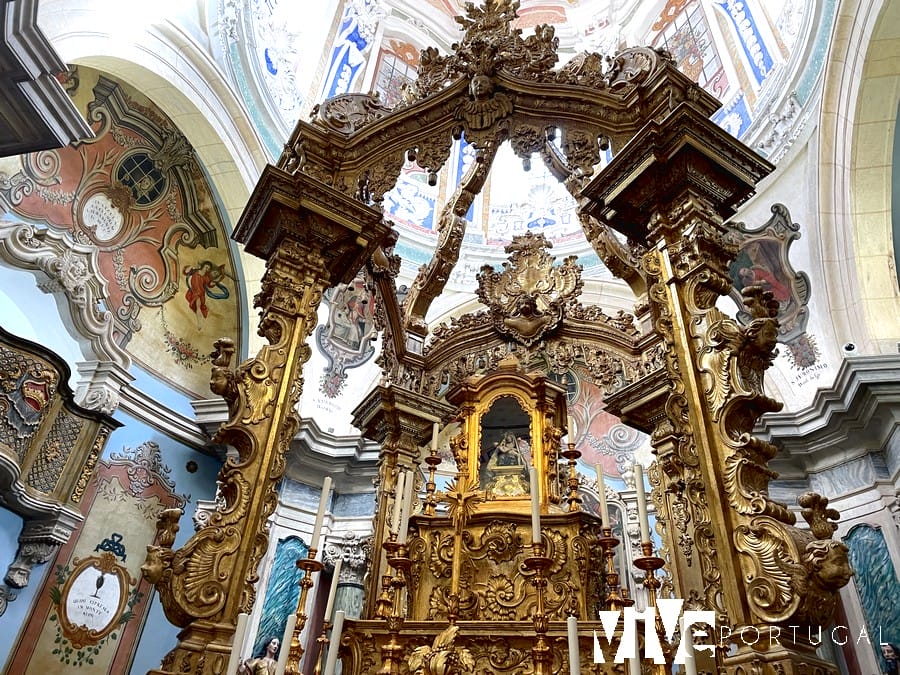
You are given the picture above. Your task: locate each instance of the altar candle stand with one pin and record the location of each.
(433, 461)
(392, 652)
(326, 621)
(614, 599)
(572, 455)
(310, 566)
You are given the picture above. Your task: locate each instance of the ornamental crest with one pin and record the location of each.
(527, 300)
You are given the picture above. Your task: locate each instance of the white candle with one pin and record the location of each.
(234, 660)
(641, 502)
(634, 666)
(535, 507)
(335, 642)
(332, 592)
(407, 508)
(286, 644)
(690, 665)
(398, 502)
(574, 651)
(320, 514)
(601, 492)
(434, 437)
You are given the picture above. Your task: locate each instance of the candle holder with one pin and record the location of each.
(572, 455)
(541, 654)
(433, 460)
(649, 563)
(615, 599)
(309, 565)
(392, 652)
(323, 643)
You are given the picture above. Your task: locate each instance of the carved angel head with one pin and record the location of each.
(828, 563)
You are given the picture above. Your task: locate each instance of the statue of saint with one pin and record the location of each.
(262, 665)
(505, 467)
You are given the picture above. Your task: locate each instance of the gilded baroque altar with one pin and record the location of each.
(473, 586)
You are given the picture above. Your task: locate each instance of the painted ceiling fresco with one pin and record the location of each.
(137, 194)
(732, 49)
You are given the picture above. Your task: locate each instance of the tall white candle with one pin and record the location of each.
(643, 521)
(335, 642)
(535, 507)
(407, 508)
(435, 430)
(285, 648)
(398, 502)
(332, 592)
(234, 660)
(601, 492)
(574, 651)
(320, 514)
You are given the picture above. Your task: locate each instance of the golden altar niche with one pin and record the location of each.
(470, 564)
(679, 368)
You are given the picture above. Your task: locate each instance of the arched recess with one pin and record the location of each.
(172, 70)
(870, 186)
(854, 174)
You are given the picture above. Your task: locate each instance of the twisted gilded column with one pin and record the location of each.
(312, 237)
(729, 547)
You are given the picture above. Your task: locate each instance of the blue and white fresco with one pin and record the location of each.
(734, 117)
(347, 57)
(756, 52)
(412, 200)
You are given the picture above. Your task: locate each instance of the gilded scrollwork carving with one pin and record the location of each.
(442, 657)
(528, 298)
(347, 113)
(791, 575)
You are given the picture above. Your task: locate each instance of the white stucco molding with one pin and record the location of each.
(70, 272)
(858, 414)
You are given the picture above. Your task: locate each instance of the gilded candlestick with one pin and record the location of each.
(541, 654)
(309, 565)
(572, 455)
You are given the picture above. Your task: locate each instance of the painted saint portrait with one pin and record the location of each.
(204, 281)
